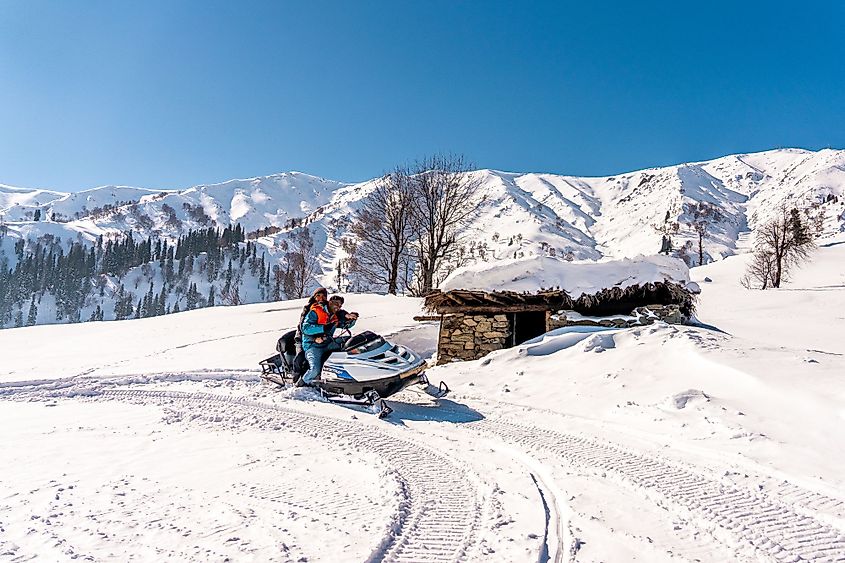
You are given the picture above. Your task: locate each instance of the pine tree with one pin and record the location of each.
(120, 305)
(127, 306)
(149, 305)
(227, 284)
(162, 302)
(168, 268)
(210, 268)
(191, 297)
(33, 312)
(211, 296)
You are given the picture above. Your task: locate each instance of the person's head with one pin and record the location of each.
(335, 303)
(320, 294)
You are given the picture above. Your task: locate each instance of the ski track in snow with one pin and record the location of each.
(428, 526)
(767, 524)
(435, 523)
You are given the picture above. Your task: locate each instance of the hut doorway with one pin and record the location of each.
(528, 325)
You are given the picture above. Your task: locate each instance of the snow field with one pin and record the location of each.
(659, 443)
(139, 485)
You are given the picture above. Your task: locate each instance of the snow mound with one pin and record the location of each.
(576, 278)
(682, 399)
(565, 337)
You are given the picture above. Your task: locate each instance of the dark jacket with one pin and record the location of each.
(298, 337)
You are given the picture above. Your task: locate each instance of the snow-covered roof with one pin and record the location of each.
(531, 275)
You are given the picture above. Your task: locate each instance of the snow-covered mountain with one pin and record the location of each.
(583, 217)
(523, 214)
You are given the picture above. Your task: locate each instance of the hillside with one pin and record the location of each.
(523, 215)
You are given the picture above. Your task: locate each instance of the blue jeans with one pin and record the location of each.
(316, 356)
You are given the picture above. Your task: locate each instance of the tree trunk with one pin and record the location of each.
(393, 275)
(701, 248)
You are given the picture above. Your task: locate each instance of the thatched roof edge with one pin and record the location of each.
(609, 301)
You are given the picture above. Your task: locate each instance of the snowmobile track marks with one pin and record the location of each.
(431, 524)
(767, 525)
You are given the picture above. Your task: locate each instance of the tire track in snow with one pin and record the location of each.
(729, 513)
(778, 489)
(431, 524)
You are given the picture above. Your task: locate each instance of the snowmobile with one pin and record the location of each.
(367, 370)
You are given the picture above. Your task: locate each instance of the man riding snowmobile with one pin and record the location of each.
(318, 339)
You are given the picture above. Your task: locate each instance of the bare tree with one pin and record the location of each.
(758, 273)
(704, 215)
(231, 297)
(383, 227)
(666, 229)
(781, 244)
(684, 253)
(349, 273)
(446, 198)
(300, 264)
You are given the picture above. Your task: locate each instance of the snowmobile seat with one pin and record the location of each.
(286, 347)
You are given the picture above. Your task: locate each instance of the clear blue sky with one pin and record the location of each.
(168, 94)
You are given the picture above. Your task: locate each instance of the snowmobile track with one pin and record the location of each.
(432, 523)
(747, 519)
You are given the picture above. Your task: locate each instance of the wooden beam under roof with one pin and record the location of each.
(453, 295)
(493, 299)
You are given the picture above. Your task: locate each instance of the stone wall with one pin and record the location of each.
(469, 337)
(640, 316)
(473, 336)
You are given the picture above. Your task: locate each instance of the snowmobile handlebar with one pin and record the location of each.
(344, 332)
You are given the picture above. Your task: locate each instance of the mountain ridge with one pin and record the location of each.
(523, 213)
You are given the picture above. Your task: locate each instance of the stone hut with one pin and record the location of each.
(474, 323)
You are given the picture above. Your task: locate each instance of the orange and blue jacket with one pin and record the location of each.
(320, 322)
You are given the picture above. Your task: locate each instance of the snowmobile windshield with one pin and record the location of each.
(365, 342)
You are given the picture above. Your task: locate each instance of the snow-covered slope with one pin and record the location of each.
(15, 202)
(523, 215)
(583, 218)
(154, 439)
(583, 211)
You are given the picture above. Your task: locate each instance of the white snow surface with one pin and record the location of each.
(527, 275)
(155, 439)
